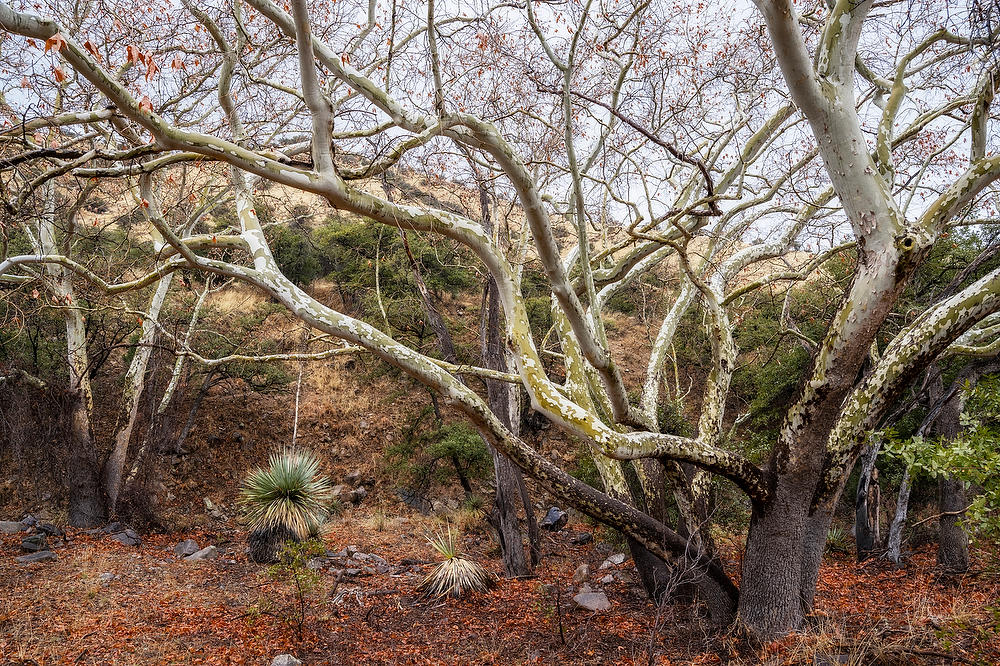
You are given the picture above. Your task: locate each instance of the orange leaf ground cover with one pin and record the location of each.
(161, 610)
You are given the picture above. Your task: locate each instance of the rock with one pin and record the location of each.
(41, 556)
(34, 543)
(358, 494)
(128, 538)
(111, 528)
(554, 520)
(581, 574)
(592, 601)
(285, 660)
(353, 478)
(582, 538)
(213, 510)
(186, 547)
(50, 529)
(607, 580)
(316, 563)
(207, 553)
(29, 521)
(11, 527)
(106, 578)
(341, 493)
(414, 500)
(613, 561)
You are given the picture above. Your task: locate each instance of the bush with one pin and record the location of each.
(457, 575)
(288, 501)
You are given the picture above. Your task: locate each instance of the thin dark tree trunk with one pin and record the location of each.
(193, 412)
(953, 542)
(867, 501)
(86, 500)
(510, 486)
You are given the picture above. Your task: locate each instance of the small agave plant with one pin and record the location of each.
(287, 501)
(457, 575)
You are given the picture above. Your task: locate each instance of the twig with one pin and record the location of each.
(942, 515)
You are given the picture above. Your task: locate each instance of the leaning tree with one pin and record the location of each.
(617, 139)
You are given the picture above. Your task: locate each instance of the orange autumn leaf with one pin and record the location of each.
(146, 105)
(92, 49)
(59, 74)
(56, 42)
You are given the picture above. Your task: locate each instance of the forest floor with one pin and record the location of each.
(151, 607)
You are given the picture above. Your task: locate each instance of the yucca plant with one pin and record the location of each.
(288, 501)
(458, 574)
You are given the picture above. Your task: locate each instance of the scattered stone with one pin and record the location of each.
(29, 521)
(353, 478)
(592, 601)
(613, 561)
(186, 547)
(585, 589)
(128, 537)
(34, 543)
(369, 557)
(358, 495)
(207, 553)
(414, 500)
(341, 493)
(285, 660)
(554, 520)
(11, 527)
(41, 556)
(50, 530)
(212, 510)
(607, 580)
(106, 578)
(582, 538)
(111, 528)
(581, 574)
(316, 563)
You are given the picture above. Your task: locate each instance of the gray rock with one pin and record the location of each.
(50, 530)
(358, 495)
(613, 561)
(128, 538)
(554, 520)
(592, 601)
(341, 493)
(285, 660)
(113, 527)
(581, 574)
(607, 580)
(353, 478)
(415, 500)
(316, 563)
(106, 578)
(186, 547)
(41, 556)
(34, 543)
(207, 553)
(11, 527)
(213, 510)
(582, 538)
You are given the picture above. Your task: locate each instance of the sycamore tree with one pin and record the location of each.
(738, 147)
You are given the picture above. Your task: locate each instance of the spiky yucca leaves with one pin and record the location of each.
(457, 575)
(287, 501)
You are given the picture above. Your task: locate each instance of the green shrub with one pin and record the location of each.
(289, 500)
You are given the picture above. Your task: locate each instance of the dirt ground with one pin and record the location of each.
(158, 609)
